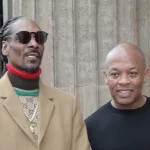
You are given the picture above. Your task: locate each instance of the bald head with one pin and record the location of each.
(125, 51)
(125, 75)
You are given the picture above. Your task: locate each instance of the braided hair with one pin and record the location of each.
(6, 30)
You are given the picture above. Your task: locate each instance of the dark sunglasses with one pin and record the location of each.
(24, 37)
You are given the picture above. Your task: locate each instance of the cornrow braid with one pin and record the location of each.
(6, 30)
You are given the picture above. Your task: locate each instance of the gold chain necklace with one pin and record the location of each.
(32, 123)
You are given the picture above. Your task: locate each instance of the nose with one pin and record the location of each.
(124, 79)
(33, 43)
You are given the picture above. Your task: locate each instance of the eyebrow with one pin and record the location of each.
(115, 69)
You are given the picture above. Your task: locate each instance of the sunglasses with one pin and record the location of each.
(24, 37)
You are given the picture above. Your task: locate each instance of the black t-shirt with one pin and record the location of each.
(113, 129)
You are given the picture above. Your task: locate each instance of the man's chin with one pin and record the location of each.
(29, 69)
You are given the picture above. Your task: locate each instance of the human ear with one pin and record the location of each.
(146, 72)
(105, 76)
(5, 48)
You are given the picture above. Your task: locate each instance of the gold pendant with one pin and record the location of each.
(32, 127)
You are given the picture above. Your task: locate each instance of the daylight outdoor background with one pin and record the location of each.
(81, 33)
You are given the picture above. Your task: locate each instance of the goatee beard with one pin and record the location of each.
(31, 69)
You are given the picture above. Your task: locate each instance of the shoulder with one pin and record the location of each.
(148, 98)
(147, 101)
(5, 86)
(58, 95)
(53, 91)
(65, 102)
(98, 115)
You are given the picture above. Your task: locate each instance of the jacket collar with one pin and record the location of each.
(13, 106)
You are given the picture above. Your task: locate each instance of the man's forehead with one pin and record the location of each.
(25, 24)
(122, 54)
(125, 67)
(124, 62)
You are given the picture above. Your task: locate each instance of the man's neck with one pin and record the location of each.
(23, 80)
(139, 103)
(23, 74)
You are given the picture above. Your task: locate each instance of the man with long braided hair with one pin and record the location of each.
(34, 116)
(5, 31)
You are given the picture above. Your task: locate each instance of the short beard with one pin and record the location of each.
(31, 69)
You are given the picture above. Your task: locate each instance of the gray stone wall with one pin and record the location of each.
(81, 33)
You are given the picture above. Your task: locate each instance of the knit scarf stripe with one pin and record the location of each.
(21, 92)
(23, 74)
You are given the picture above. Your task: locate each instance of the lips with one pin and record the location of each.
(124, 92)
(35, 54)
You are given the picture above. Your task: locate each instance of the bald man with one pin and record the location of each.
(124, 122)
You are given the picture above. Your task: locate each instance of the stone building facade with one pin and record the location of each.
(81, 33)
